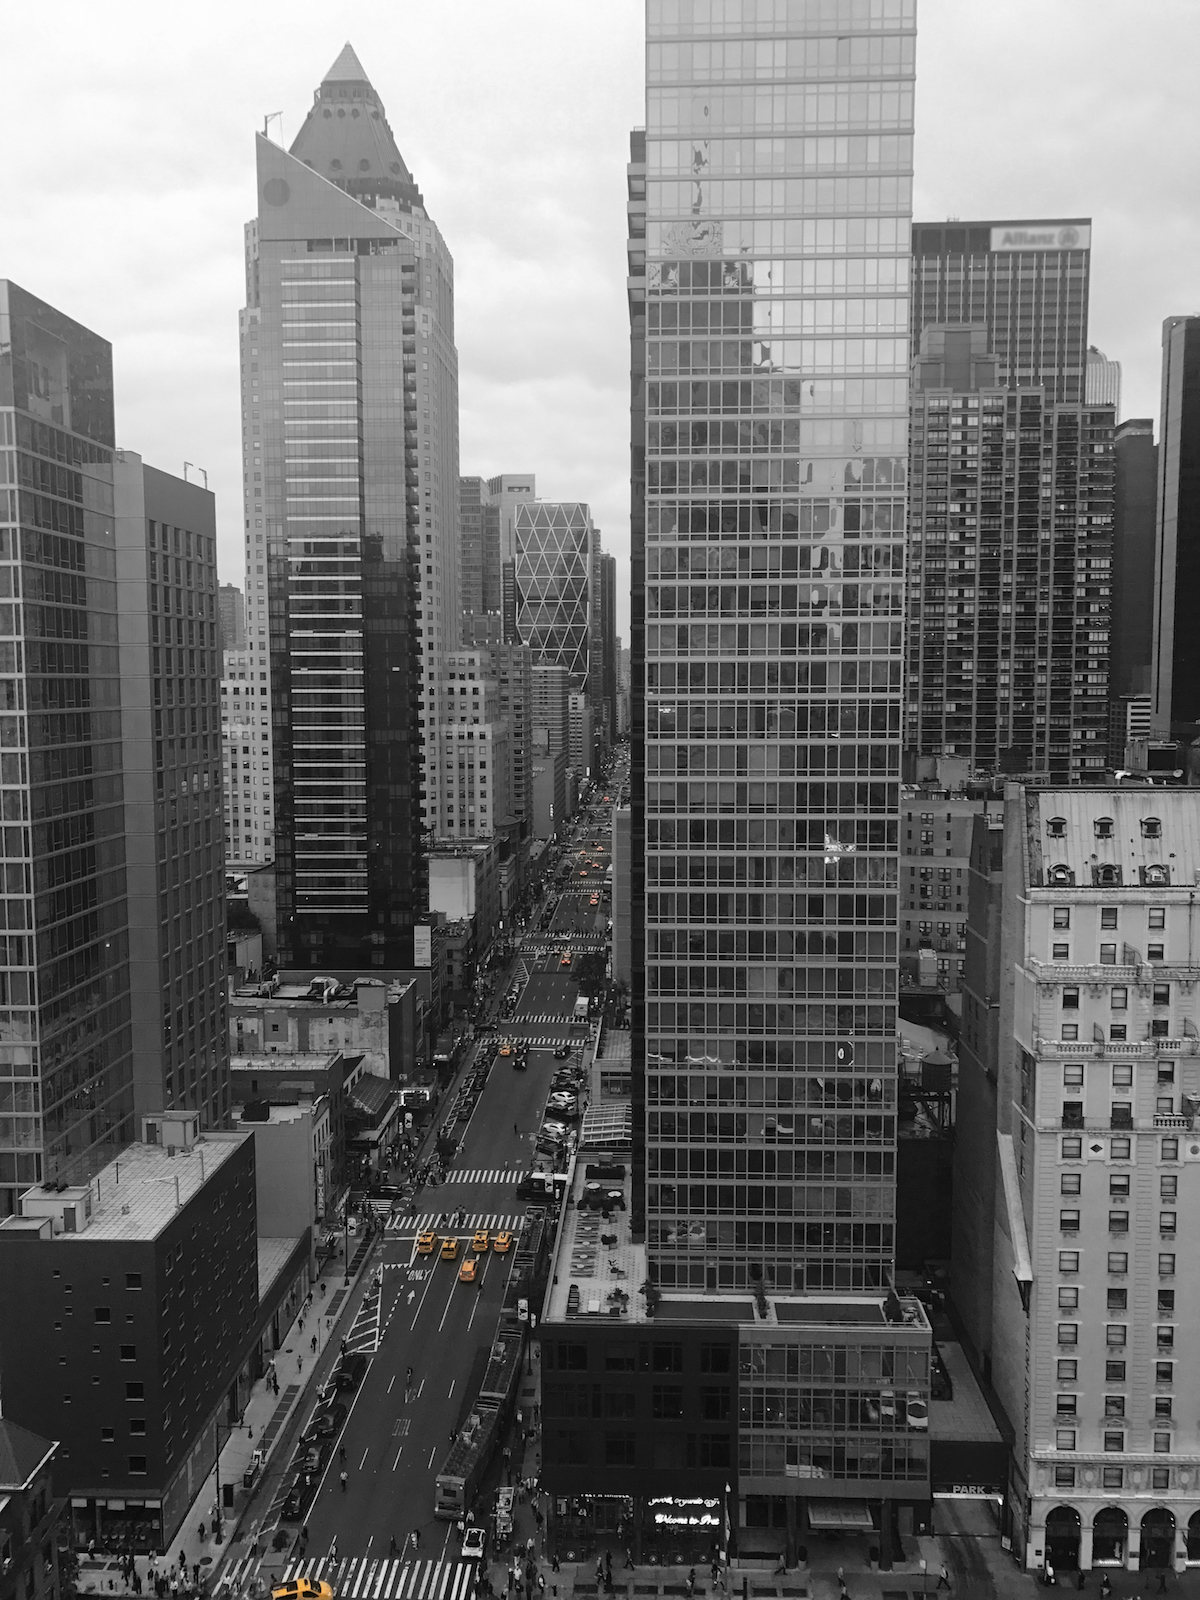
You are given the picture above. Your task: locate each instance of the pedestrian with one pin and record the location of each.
(333, 1550)
(342, 1451)
(392, 1546)
(691, 1581)
(344, 1480)
(554, 1562)
(516, 1129)
(201, 1533)
(943, 1578)
(1162, 1582)
(195, 1572)
(299, 1364)
(312, 1344)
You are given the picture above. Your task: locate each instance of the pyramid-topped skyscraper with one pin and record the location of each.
(350, 436)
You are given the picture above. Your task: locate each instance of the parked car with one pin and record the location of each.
(324, 1423)
(564, 1106)
(554, 1130)
(562, 1052)
(299, 1494)
(474, 1542)
(350, 1370)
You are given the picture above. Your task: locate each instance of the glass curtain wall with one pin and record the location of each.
(768, 560)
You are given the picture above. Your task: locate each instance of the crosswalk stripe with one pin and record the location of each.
(361, 1578)
(429, 1221)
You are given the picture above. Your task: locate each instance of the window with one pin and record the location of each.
(1118, 1149)
(1066, 1405)
(1114, 1372)
(1154, 952)
(620, 1358)
(1069, 1031)
(1162, 1444)
(1068, 1260)
(1070, 999)
(1165, 1337)
(1156, 918)
(1108, 916)
(1104, 827)
(1164, 1372)
(1114, 1441)
(1161, 994)
(1168, 1186)
(1166, 1266)
(1118, 1183)
(1064, 1438)
(1120, 998)
(1057, 827)
(1068, 1370)
(1118, 1033)
(667, 1401)
(1073, 1075)
(1068, 1221)
(1068, 1299)
(1169, 1150)
(1114, 1334)
(1071, 1182)
(137, 1425)
(1118, 1261)
(572, 1357)
(1118, 1222)
(1060, 877)
(619, 1403)
(714, 1405)
(1060, 952)
(1151, 828)
(1156, 875)
(1118, 1299)
(1064, 1477)
(1162, 1407)
(667, 1358)
(1166, 1221)
(1106, 876)
(1166, 1072)
(1160, 1478)
(102, 1313)
(1122, 1076)
(133, 1280)
(135, 1391)
(1068, 1333)
(1062, 916)
(1112, 1477)
(129, 1352)
(714, 1358)
(1108, 955)
(137, 1466)
(619, 1449)
(1072, 1148)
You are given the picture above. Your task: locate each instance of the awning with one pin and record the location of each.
(839, 1515)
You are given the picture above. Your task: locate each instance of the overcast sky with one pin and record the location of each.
(128, 172)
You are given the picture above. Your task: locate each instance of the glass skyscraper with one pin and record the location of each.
(770, 310)
(350, 408)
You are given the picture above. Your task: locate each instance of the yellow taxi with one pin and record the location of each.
(426, 1244)
(302, 1589)
(469, 1270)
(502, 1243)
(566, 959)
(481, 1241)
(506, 1047)
(450, 1249)
(595, 900)
(583, 872)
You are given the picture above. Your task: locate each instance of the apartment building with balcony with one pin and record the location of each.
(1092, 1322)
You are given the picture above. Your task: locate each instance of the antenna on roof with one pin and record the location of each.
(273, 116)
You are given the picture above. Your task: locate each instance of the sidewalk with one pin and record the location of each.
(265, 1418)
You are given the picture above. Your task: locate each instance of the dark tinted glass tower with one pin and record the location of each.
(350, 401)
(1024, 283)
(1177, 563)
(770, 362)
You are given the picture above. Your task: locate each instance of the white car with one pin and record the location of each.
(474, 1542)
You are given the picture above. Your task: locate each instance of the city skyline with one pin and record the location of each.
(167, 214)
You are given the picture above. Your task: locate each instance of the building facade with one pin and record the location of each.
(1101, 380)
(479, 555)
(1175, 688)
(935, 848)
(1135, 497)
(351, 452)
(1024, 283)
(232, 617)
(246, 757)
(555, 546)
(770, 316)
(1010, 554)
(166, 568)
(30, 1515)
(1093, 1321)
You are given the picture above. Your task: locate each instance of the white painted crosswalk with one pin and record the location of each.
(484, 1175)
(364, 1578)
(442, 1220)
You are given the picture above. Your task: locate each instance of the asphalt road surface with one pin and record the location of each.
(395, 1442)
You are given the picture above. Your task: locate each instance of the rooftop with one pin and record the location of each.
(22, 1455)
(1144, 837)
(139, 1192)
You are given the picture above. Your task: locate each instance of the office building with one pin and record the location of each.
(769, 428)
(479, 557)
(551, 705)
(1175, 688)
(1101, 380)
(556, 547)
(935, 848)
(232, 617)
(581, 740)
(1071, 1270)
(114, 895)
(349, 377)
(1024, 283)
(246, 754)
(602, 674)
(138, 1328)
(167, 619)
(475, 777)
(1132, 642)
(1010, 548)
